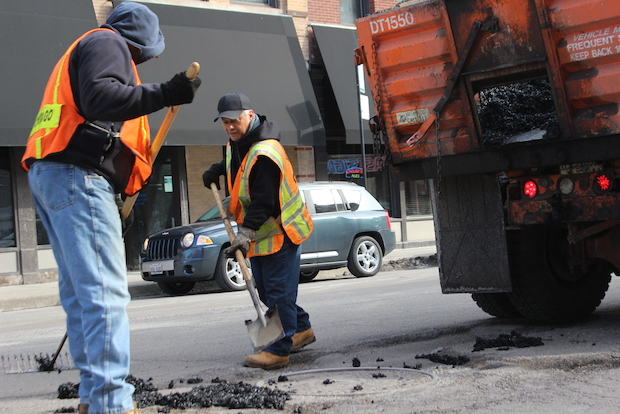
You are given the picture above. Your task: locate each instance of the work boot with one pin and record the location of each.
(83, 409)
(134, 411)
(266, 360)
(301, 339)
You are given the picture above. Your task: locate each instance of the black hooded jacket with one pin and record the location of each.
(103, 83)
(264, 177)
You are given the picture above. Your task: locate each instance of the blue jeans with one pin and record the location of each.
(277, 279)
(78, 209)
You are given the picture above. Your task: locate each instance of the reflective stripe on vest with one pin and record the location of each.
(294, 217)
(59, 117)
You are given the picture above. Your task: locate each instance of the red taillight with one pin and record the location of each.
(530, 189)
(387, 218)
(602, 182)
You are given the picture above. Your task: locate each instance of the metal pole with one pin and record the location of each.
(359, 111)
(403, 212)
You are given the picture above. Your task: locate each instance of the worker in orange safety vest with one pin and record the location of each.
(90, 141)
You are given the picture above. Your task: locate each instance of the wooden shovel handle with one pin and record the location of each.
(231, 234)
(245, 271)
(191, 73)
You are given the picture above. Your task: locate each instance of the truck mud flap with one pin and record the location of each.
(469, 226)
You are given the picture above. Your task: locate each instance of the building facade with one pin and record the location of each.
(293, 58)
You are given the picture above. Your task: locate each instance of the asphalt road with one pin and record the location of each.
(385, 321)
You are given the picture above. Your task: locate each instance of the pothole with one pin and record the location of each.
(347, 381)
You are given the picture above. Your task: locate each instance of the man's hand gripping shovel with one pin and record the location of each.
(267, 329)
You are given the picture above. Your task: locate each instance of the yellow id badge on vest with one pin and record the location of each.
(48, 117)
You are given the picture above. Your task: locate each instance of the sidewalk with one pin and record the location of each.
(43, 295)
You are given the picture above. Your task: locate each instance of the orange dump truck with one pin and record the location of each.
(512, 108)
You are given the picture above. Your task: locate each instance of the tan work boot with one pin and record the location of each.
(301, 339)
(266, 360)
(134, 411)
(83, 409)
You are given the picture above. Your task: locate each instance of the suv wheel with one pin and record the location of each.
(228, 274)
(175, 289)
(365, 257)
(307, 275)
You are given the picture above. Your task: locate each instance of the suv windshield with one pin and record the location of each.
(213, 212)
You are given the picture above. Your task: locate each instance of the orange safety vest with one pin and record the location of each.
(59, 117)
(294, 218)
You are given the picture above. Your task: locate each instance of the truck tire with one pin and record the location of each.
(544, 289)
(496, 304)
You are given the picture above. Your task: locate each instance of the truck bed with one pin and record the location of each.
(449, 59)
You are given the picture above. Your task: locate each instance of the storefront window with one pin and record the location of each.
(351, 10)
(272, 3)
(7, 218)
(157, 206)
(42, 237)
(418, 199)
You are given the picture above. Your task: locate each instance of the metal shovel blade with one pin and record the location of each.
(261, 335)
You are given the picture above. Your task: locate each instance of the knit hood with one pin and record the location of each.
(139, 26)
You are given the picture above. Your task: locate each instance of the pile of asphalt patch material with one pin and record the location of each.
(445, 359)
(418, 262)
(509, 110)
(504, 342)
(44, 362)
(66, 410)
(220, 393)
(68, 390)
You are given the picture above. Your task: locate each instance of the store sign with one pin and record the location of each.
(342, 166)
(354, 172)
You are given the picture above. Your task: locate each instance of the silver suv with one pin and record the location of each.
(351, 230)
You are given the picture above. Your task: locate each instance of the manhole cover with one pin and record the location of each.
(347, 381)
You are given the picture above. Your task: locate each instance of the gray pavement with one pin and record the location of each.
(40, 295)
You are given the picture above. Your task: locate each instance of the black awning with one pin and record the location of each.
(255, 54)
(337, 45)
(33, 36)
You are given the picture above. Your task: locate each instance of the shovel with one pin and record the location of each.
(267, 329)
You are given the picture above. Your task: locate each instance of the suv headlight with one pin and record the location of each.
(145, 245)
(187, 240)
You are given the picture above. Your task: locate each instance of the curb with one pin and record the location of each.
(42, 295)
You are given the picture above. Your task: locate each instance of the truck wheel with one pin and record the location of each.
(545, 288)
(176, 289)
(496, 304)
(228, 274)
(365, 257)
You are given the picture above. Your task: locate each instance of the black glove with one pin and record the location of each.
(209, 177)
(241, 242)
(180, 90)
